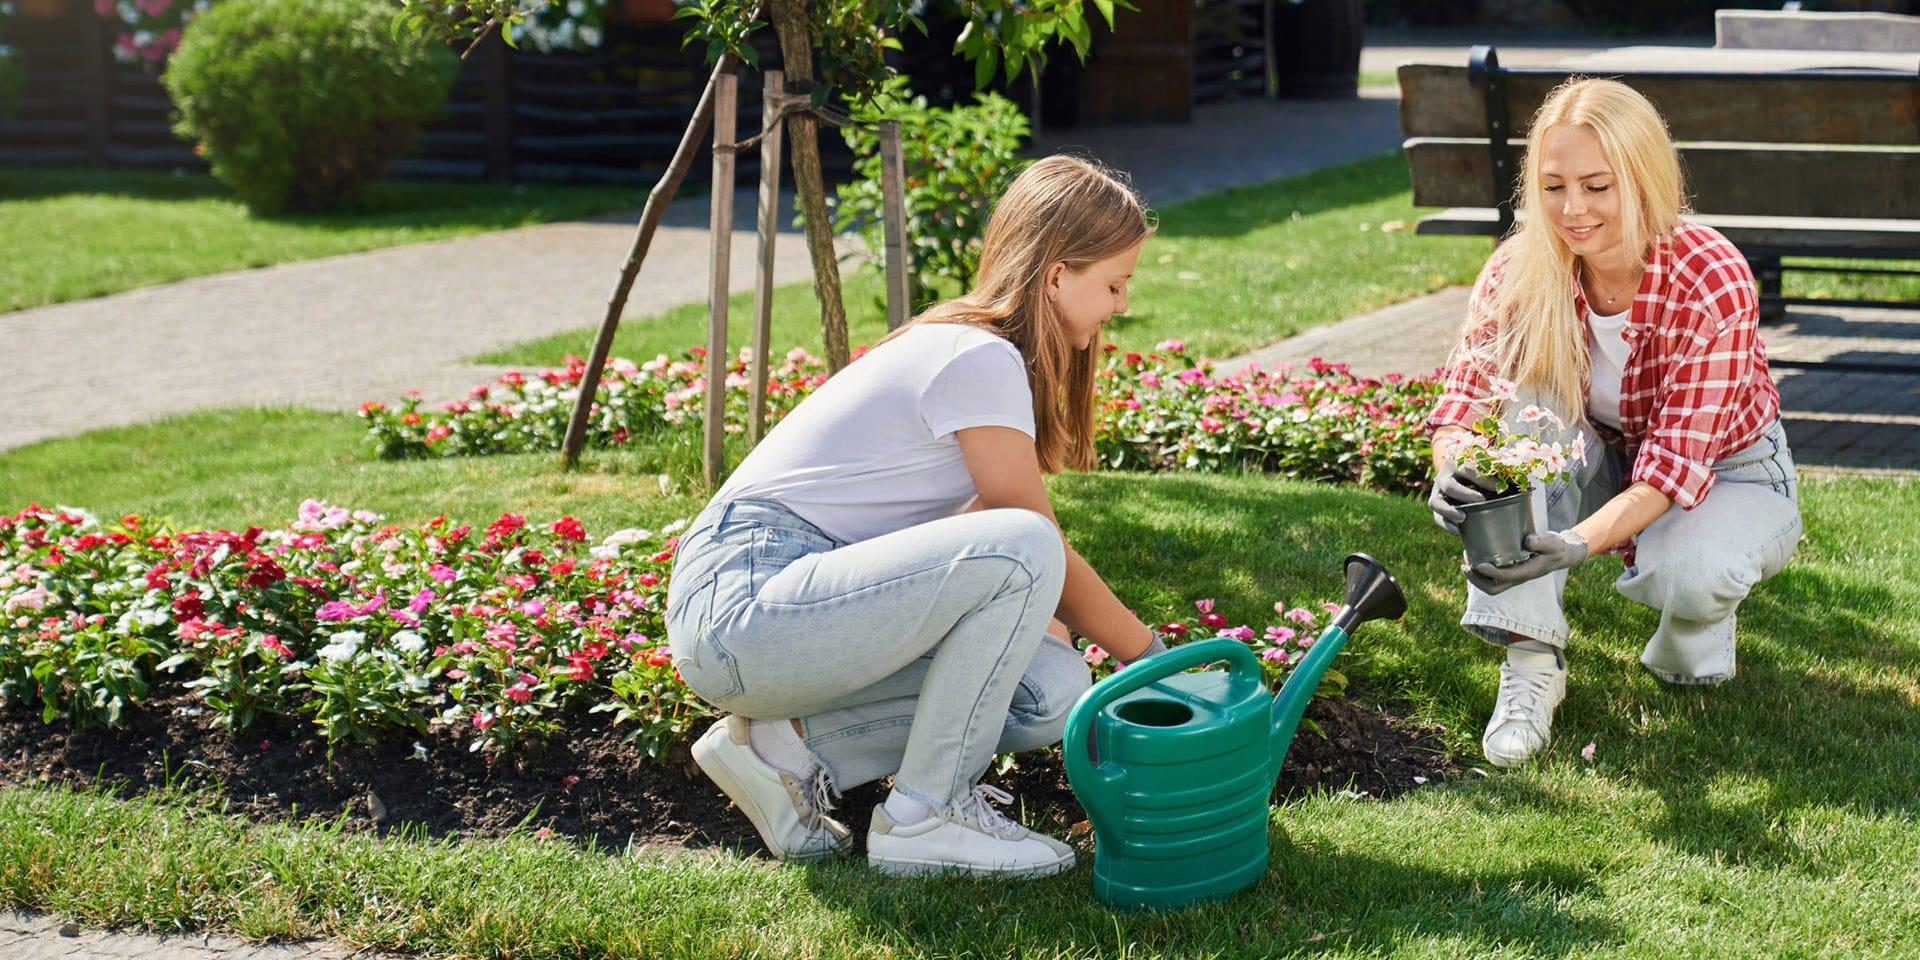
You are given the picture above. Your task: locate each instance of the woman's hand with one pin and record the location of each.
(1452, 486)
(1559, 550)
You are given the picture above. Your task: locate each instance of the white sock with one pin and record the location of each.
(1534, 656)
(776, 743)
(902, 809)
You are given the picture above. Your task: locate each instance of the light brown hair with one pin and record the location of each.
(1063, 209)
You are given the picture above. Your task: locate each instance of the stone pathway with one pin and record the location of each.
(1839, 420)
(32, 936)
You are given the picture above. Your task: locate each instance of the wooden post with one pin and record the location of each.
(768, 225)
(499, 118)
(726, 108)
(893, 190)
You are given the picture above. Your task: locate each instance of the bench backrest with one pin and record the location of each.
(1822, 143)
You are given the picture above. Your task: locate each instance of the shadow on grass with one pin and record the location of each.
(1309, 900)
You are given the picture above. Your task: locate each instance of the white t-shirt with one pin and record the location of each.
(873, 451)
(1607, 361)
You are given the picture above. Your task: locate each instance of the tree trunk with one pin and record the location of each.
(657, 201)
(790, 23)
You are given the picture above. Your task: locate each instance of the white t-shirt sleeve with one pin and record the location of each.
(984, 385)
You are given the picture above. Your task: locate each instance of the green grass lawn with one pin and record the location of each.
(1772, 817)
(1227, 272)
(77, 233)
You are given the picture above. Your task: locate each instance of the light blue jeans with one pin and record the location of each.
(1694, 566)
(920, 653)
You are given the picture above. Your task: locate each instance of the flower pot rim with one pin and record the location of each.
(1492, 502)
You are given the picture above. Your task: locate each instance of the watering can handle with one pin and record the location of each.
(1098, 784)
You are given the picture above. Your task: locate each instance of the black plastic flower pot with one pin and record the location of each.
(1496, 529)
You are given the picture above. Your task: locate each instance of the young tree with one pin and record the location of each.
(831, 49)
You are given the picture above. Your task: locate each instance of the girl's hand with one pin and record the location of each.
(1559, 550)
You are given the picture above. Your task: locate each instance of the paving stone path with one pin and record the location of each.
(33, 936)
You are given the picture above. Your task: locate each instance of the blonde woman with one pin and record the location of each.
(875, 590)
(1609, 307)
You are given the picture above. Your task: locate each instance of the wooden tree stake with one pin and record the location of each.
(768, 225)
(725, 110)
(893, 190)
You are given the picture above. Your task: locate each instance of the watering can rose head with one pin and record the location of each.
(1532, 449)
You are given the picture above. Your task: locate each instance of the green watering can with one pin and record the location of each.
(1175, 768)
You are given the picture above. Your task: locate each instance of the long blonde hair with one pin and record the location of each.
(1539, 339)
(1062, 209)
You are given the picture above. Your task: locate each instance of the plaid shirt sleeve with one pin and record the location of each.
(1712, 358)
(1466, 377)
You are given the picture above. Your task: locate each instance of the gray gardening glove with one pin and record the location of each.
(1453, 485)
(1559, 550)
(1158, 645)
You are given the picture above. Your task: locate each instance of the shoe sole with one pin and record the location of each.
(927, 868)
(714, 765)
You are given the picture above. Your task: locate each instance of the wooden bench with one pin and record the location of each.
(1786, 163)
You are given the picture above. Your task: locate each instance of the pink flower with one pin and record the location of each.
(1204, 606)
(1211, 425)
(1300, 615)
(1329, 606)
(1502, 389)
(1279, 634)
(442, 573)
(518, 693)
(1171, 346)
(1094, 655)
(1274, 655)
(272, 644)
(483, 719)
(1586, 753)
(1242, 634)
(420, 600)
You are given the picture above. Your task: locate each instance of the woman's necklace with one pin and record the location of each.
(1631, 284)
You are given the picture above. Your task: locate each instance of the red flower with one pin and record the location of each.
(508, 523)
(1213, 621)
(371, 407)
(569, 529)
(410, 418)
(188, 605)
(1174, 629)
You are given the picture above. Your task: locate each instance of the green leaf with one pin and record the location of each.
(1106, 11)
(506, 34)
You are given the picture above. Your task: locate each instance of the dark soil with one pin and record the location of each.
(276, 770)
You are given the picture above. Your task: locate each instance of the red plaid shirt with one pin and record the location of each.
(1695, 387)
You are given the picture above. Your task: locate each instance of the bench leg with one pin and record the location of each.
(1767, 271)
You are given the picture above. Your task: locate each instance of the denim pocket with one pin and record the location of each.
(776, 548)
(703, 661)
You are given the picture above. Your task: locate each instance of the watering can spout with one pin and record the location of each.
(1371, 594)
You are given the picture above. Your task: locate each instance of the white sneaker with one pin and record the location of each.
(971, 838)
(786, 810)
(1522, 721)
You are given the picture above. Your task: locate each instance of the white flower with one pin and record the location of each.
(343, 646)
(419, 750)
(406, 641)
(674, 527)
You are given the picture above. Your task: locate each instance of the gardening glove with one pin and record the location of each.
(1559, 550)
(1454, 485)
(1159, 645)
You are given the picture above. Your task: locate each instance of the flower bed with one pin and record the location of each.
(371, 630)
(1161, 410)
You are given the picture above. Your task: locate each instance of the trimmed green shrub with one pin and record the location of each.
(299, 104)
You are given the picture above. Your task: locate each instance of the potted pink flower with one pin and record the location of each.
(1512, 462)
